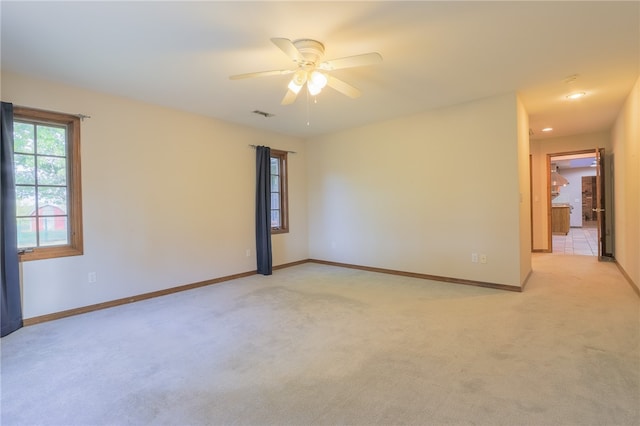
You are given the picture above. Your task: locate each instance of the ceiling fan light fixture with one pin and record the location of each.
(298, 80)
(313, 89)
(319, 79)
(316, 82)
(294, 86)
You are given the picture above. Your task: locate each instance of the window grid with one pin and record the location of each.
(36, 217)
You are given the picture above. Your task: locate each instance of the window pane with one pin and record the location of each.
(275, 184)
(275, 166)
(52, 200)
(25, 169)
(53, 231)
(23, 137)
(275, 218)
(52, 171)
(25, 200)
(51, 141)
(275, 200)
(27, 232)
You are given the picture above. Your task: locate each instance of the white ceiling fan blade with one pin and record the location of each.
(342, 87)
(289, 98)
(261, 74)
(352, 61)
(289, 49)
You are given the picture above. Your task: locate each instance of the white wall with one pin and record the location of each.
(168, 199)
(539, 150)
(421, 193)
(625, 137)
(572, 193)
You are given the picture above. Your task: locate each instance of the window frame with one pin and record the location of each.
(281, 156)
(75, 247)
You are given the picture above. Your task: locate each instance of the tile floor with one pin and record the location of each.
(580, 241)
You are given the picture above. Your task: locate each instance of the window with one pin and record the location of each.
(46, 154)
(279, 211)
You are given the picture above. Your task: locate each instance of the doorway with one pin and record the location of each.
(574, 203)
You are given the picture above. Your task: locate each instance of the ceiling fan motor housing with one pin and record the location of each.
(311, 50)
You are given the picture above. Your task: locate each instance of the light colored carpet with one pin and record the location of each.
(322, 345)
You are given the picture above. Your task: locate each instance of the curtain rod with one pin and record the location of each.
(255, 146)
(80, 116)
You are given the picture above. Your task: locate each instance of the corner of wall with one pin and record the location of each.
(524, 183)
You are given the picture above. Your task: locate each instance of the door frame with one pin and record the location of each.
(595, 152)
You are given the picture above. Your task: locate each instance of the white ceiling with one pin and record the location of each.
(436, 54)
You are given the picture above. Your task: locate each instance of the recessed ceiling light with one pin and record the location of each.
(547, 129)
(575, 95)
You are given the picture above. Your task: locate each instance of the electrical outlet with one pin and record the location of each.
(483, 258)
(474, 257)
(92, 277)
(247, 252)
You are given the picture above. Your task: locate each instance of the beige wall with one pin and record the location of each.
(168, 199)
(524, 183)
(539, 151)
(422, 193)
(625, 137)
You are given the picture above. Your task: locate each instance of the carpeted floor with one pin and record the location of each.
(322, 345)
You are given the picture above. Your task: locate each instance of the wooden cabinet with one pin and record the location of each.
(560, 219)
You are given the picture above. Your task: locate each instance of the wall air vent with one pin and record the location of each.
(262, 113)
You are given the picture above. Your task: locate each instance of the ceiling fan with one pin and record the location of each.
(311, 70)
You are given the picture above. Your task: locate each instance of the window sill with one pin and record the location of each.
(50, 253)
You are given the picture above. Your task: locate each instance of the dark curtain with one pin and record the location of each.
(11, 318)
(263, 209)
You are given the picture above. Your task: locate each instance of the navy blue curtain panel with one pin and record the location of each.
(11, 317)
(263, 210)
